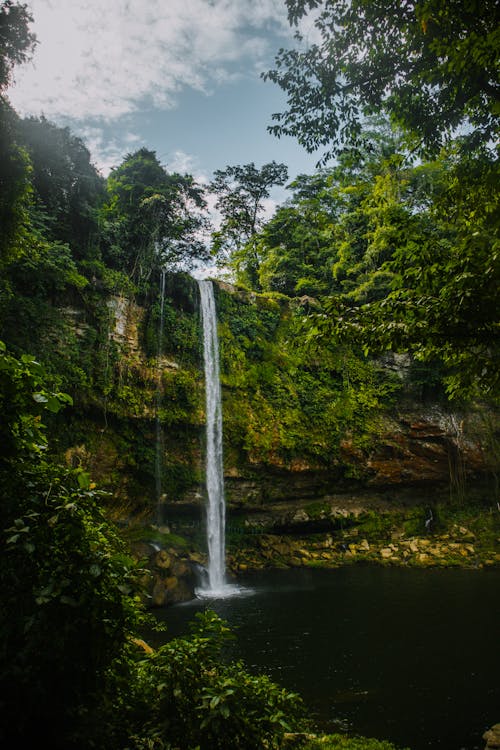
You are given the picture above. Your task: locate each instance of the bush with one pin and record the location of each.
(196, 700)
(341, 742)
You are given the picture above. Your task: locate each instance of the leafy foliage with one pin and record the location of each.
(67, 188)
(432, 66)
(67, 584)
(285, 401)
(403, 255)
(341, 742)
(15, 187)
(241, 192)
(431, 282)
(16, 40)
(445, 274)
(151, 219)
(196, 700)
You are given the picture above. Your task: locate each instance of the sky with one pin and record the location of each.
(180, 77)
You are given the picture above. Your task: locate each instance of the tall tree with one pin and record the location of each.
(241, 194)
(17, 42)
(438, 247)
(151, 218)
(16, 46)
(432, 65)
(68, 189)
(340, 225)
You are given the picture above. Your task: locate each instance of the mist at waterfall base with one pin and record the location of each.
(406, 655)
(215, 584)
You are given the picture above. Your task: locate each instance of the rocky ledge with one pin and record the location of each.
(456, 549)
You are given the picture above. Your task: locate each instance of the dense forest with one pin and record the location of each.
(385, 260)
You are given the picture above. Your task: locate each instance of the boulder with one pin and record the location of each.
(492, 737)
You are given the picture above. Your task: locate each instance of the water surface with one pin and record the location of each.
(411, 656)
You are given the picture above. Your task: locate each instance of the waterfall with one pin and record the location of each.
(159, 433)
(214, 465)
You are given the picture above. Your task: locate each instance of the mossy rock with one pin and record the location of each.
(337, 742)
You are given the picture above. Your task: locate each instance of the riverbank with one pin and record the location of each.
(461, 536)
(458, 548)
(448, 536)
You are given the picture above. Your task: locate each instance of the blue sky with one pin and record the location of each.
(181, 77)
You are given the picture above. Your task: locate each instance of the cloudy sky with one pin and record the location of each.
(181, 77)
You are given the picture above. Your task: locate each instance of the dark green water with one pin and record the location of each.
(410, 656)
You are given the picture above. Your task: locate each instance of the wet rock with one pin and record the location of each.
(492, 737)
(170, 578)
(162, 559)
(300, 516)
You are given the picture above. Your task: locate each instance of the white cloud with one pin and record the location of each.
(107, 152)
(179, 161)
(102, 61)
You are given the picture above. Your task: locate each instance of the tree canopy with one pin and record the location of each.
(17, 42)
(241, 194)
(418, 266)
(151, 218)
(67, 187)
(431, 65)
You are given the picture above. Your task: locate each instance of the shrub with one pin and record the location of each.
(195, 699)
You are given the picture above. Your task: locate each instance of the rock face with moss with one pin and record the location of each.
(330, 458)
(299, 421)
(299, 424)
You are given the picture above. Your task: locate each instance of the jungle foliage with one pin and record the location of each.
(431, 65)
(73, 610)
(432, 68)
(241, 193)
(283, 405)
(379, 252)
(403, 256)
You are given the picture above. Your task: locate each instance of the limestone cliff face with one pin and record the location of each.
(428, 444)
(296, 427)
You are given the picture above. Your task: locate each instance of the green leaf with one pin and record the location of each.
(84, 480)
(53, 404)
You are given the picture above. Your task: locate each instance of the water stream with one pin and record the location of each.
(216, 509)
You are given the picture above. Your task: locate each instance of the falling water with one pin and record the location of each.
(214, 466)
(159, 433)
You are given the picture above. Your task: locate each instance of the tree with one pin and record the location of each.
(16, 46)
(67, 583)
(17, 42)
(431, 65)
(67, 187)
(151, 218)
(432, 68)
(442, 304)
(241, 193)
(334, 234)
(15, 187)
(295, 245)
